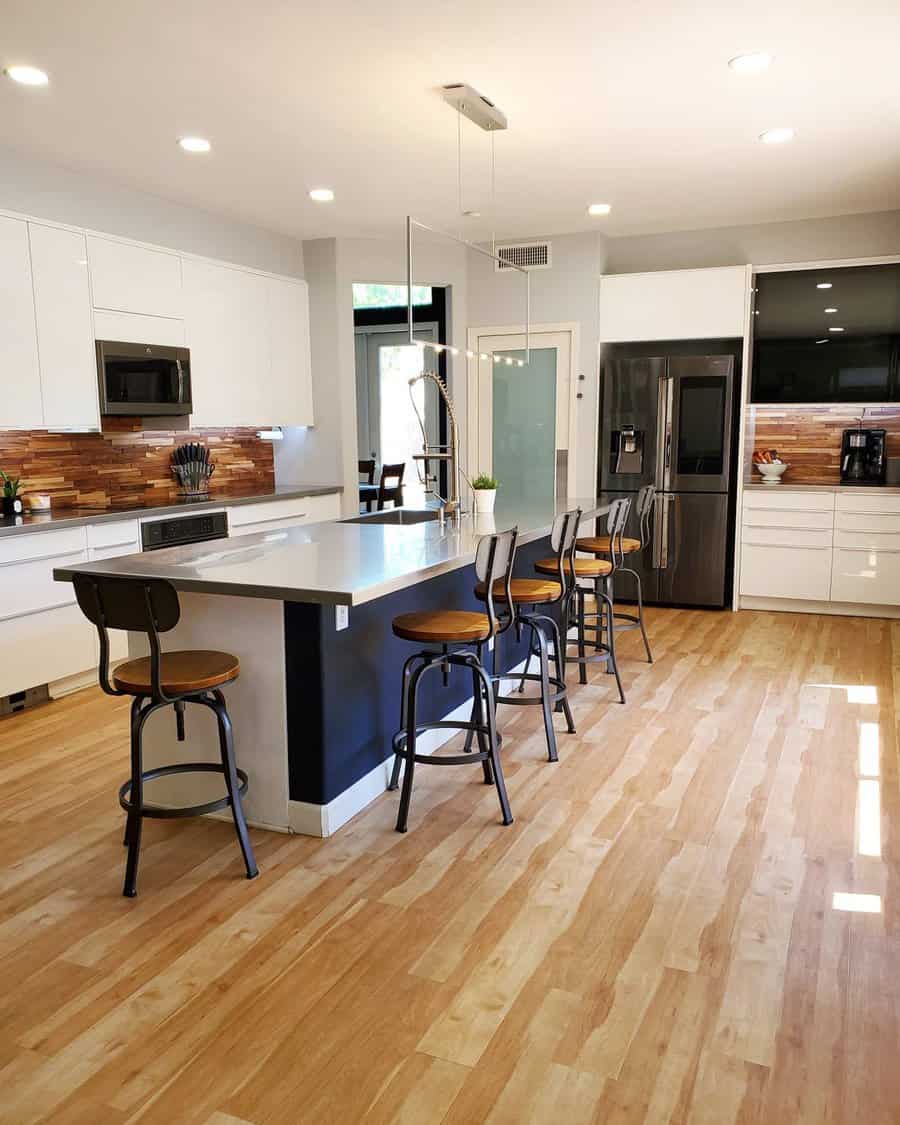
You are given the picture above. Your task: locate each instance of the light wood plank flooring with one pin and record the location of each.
(656, 939)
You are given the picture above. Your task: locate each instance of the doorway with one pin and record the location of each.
(521, 419)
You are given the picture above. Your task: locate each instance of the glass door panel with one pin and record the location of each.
(523, 425)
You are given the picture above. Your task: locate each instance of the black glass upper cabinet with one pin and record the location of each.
(827, 335)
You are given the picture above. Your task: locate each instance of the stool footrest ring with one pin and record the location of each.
(559, 692)
(160, 812)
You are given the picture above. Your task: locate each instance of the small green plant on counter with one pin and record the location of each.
(485, 482)
(11, 485)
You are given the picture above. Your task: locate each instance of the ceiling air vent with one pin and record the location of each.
(525, 255)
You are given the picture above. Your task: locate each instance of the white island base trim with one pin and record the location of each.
(308, 819)
(837, 609)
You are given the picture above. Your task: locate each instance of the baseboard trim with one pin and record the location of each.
(308, 819)
(834, 609)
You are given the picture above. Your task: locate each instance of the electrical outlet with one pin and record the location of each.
(341, 617)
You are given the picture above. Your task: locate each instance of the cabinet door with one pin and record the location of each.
(62, 301)
(20, 401)
(291, 371)
(133, 279)
(227, 331)
(786, 572)
(869, 577)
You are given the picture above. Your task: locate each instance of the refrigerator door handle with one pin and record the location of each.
(658, 504)
(662, 451)
(667, 457)
(664, 534)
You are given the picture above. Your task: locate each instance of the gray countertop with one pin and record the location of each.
(331, 563)
(861, 489)
(59, 518)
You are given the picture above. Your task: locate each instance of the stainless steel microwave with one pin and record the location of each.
(143, 379)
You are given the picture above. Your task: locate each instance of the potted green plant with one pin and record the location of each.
(484, 489)
(12, 504)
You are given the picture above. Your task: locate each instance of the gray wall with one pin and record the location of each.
(51, 191)
(806, 240)
(565, 292)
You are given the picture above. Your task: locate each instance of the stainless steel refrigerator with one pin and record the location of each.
(667, 421)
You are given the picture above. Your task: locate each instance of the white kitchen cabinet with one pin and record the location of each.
(866, 562)
(272, 515)
(131, 278)
(132, 328)
(20, 402)
(44, 636)
(290, 363)
(786, 540)
(701, 304)
(776, 571)
(65, 339)
(112, 541)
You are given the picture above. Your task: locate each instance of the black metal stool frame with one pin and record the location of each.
(494, 552)
(624, 621)
(151, 606)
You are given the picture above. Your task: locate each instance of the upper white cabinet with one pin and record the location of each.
(249, 340)
(130, 278)
(291, 372)
(62, 303)
(674, 305)
(20, 402)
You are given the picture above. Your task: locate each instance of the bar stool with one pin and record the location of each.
(600, 545)
(592, 576)
(171, 679)
(532, 597)
(456, 631)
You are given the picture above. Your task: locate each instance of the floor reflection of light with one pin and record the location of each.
(860, 904)
(868, 817)
(869, 755)
(856, 693)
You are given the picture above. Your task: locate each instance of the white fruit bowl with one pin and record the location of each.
(772, 473)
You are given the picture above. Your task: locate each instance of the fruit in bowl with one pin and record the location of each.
(770, 465)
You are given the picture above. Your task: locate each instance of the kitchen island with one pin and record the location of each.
(308, 612)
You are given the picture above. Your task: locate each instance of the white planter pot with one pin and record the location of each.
(484, 499)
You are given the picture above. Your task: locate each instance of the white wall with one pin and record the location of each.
(65, 195)
(568, 291)
(844, 236)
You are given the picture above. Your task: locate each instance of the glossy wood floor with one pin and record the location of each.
(660, 936)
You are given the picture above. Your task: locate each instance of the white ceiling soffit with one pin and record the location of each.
(631, 104)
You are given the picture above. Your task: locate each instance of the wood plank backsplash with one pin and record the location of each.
(809, 437)
(127, 465)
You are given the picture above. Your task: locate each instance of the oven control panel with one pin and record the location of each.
(178, 530)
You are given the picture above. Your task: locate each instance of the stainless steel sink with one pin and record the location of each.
(397, 516)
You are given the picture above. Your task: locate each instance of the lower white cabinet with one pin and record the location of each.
(866, 562)
(786, 572)
(271, 515)
(112, 541)
(870, 577)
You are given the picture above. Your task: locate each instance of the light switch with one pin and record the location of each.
(341, 617)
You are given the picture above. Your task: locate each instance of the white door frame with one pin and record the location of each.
(473, 336)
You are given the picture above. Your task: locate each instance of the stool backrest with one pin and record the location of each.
(615, 529)
(644, 509)
(390, 486)
(140, 605)
(562, 539)
(367, 470)
(495, 557)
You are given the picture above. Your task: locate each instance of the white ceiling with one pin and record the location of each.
(630, 104)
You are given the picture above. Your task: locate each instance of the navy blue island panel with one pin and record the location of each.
(343, 686)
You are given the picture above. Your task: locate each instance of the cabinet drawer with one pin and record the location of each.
(44, 647)
(789, 518)
(868, 501)
(867, 577)
(786, 537)
(778, 499)
(786, 572)
(868, 540)
(306, 509)
(120, 533)
(41, 545)
(867, 521)
(29, 586)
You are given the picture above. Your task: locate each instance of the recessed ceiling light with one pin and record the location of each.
(823, 285)
(835, 330)
(322, 194)
(27, 75)
(753, 63)
(599, 209)
(831, 310)
(471, 214)
(194, 144)
(777, 136)
(821, 341)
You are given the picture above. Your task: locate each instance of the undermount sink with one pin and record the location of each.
(397, 516)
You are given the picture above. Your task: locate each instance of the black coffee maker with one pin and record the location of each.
(862, 457)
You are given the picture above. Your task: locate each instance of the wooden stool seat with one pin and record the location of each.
(599, 544)
(181, 673)
(524, 591)
(584, 568)
(449, 626)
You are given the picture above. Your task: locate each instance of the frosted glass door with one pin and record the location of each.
(524, 426)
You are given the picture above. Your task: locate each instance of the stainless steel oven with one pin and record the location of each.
(143, 379)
